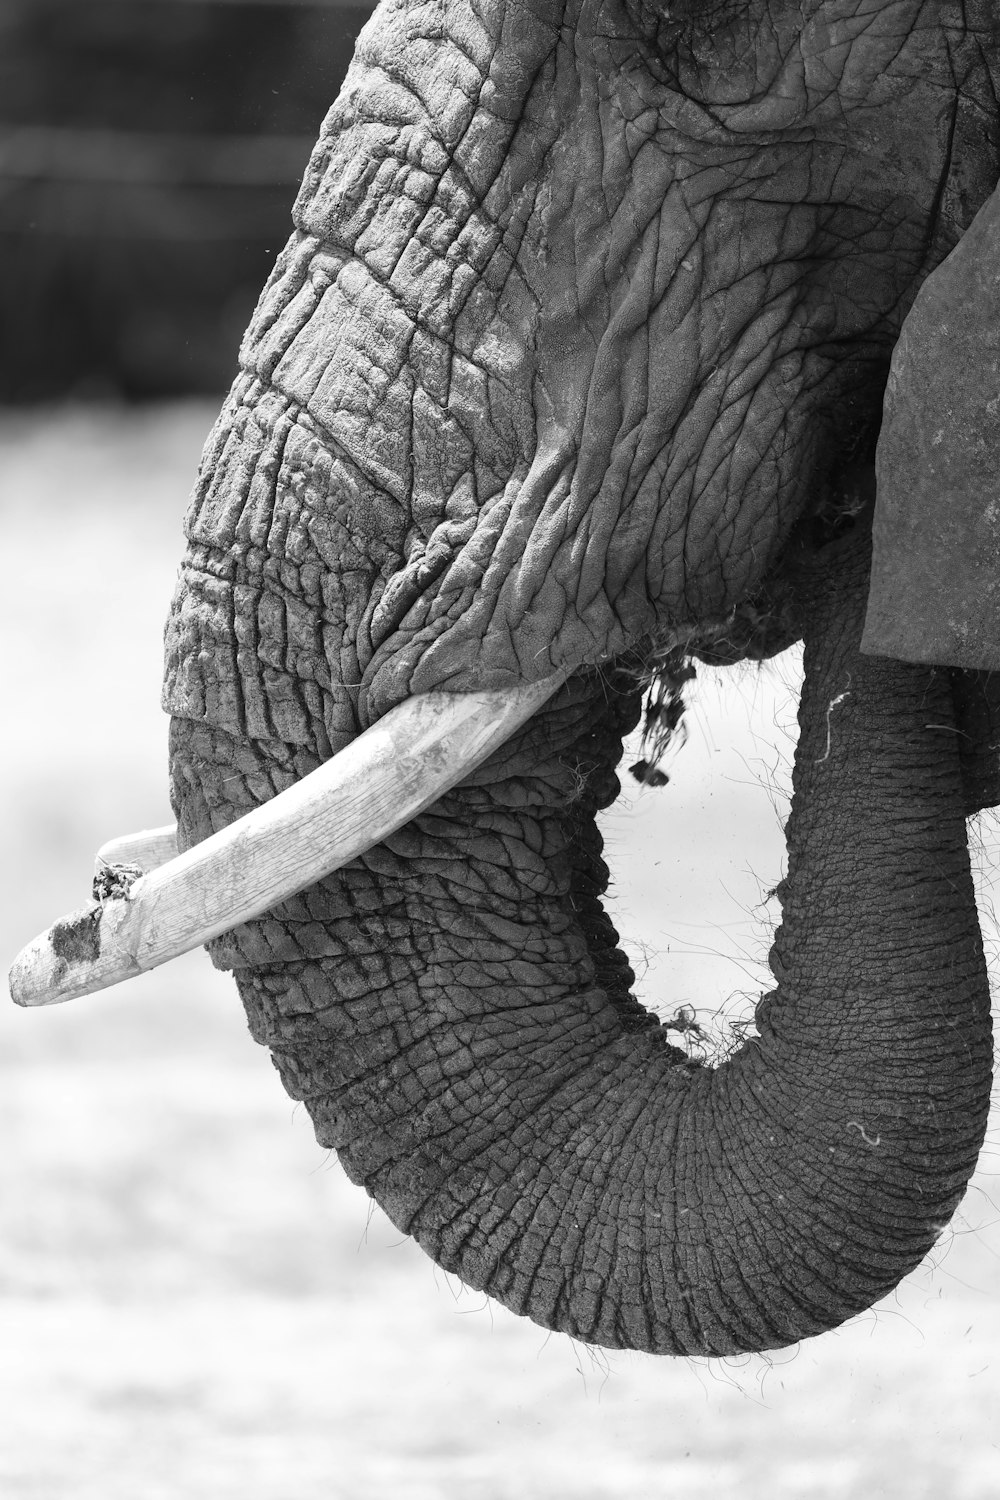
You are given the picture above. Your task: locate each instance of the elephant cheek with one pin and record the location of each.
(935, 589)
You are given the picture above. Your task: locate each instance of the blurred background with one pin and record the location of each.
(193, 1300)
(149, 154)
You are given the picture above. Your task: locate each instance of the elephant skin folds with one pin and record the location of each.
(492, 423)
(576, 352)
(454, 1012)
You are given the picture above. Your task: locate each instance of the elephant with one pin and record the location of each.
(572, 376)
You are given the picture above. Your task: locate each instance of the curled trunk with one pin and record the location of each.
(455, 1013)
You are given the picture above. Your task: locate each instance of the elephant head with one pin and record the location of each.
(571, 371)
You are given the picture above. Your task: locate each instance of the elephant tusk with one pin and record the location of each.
(149, 849)
(385, 777)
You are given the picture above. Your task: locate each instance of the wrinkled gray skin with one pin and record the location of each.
(577, 350)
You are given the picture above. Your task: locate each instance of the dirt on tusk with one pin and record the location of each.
(385, 777)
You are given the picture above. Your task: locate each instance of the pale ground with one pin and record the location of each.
(193, 1301)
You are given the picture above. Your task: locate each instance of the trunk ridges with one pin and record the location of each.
(439, 1007)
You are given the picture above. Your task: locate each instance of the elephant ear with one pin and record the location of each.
(935, 584)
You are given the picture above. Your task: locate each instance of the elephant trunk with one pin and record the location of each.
(455, 1013)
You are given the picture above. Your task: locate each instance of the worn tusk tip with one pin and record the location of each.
(154, 904)
(73, 957)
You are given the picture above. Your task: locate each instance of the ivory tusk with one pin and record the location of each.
(148, 849)
(385, 777)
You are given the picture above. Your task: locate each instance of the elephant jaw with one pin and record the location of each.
(383, 779)
(153, 903)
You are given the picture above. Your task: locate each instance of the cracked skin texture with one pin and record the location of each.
(586, 308)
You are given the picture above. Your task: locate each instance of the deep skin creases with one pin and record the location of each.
(569, 337)
(454, 1011)
(571, 333)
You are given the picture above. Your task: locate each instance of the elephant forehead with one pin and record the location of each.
(552, 357)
